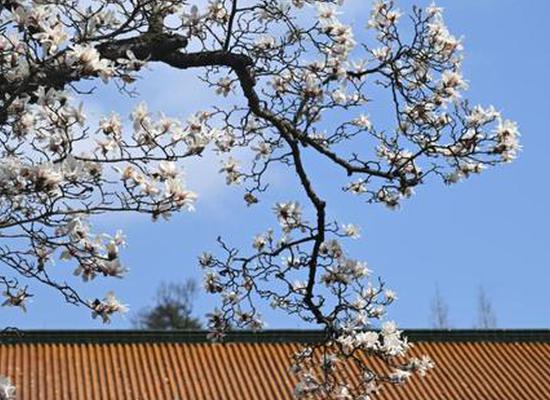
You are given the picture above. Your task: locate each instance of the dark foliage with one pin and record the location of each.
(172, 310)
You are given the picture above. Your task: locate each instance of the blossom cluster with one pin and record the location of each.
(346, 295)
(57, 170)
(387, 343)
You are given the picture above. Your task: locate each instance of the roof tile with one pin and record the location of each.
(129, 366)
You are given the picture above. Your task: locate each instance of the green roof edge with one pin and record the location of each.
(266, 336)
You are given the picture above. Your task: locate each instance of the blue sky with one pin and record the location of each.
(491, 230)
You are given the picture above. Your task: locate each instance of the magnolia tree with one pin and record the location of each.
(297, 86)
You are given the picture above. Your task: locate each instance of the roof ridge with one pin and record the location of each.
(266, 336)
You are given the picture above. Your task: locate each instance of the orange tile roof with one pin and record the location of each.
(119, 365)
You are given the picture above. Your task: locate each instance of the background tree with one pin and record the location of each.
(297, 87)
(173, 308)
(439, 311)
(486, 317)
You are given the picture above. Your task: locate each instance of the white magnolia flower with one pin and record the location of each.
(352, 231)
(72, 169)
(89, 60)
(339, 96)
(451, 83)
(224, 86)
(106, 307)
(299, 287)
(113, 268)
(362, 122)
(390, 295)
(217, 11)
(507, 138)
(400, 375)
(111, 125)
(393, 344)
(381, 53)
(231, 169)
(369, 340)
(358, 187)
(262, 149)
(259, 242)
(480, 116)
(7, 389)
(326, 12)
(289, 215)
(224, 140)
(52, 37)
(19, 299)
(344, 394)
(175, 190)
(206, 260)
(421, 365)
(432, 10)
(347, 342)
(265, 42)
(168, 170)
